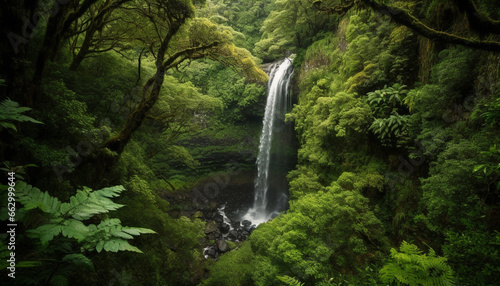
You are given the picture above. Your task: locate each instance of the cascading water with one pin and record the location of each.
(270, 186)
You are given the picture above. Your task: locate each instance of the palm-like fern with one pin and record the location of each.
(290, 281)
(66, 219)
(411, 267)
(12, 111)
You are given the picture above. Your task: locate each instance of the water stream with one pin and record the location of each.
(273, 160)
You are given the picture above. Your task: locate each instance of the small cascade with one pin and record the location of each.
(270, 186)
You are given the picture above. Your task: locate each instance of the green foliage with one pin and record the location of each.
(79, 260)
(233, 268)
(355, 75)
(66, 218)
(241, 100)
(175, 254)
(389, 125)
(110, 236)
(450, 192)
(387, 100)
(490, 171)
(69, 116)
(410, 267)
(291, 24)
(243, 16)
(392, 127)
(290, 281)
(302, 181)
(492, 116)
(474, 256)
(5, 255)
(287, 240)
(66, 237)
(12, 111)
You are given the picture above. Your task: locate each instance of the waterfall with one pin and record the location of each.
(270, 186)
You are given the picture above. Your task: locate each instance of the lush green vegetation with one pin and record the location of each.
(111, 110)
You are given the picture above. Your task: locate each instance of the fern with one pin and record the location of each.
(411, 267)
(290, 281)
(87, 203)
(11, 111)
(66, 218)
(79, 260)
(110, 234)
(32, 198)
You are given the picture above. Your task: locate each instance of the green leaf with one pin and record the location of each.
(79, 260)
(32, 197)
(11, 111)
(100, 246)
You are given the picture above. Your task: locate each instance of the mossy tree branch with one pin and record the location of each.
(477, 19)
(404, 17)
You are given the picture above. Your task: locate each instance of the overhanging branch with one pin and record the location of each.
(403, 17)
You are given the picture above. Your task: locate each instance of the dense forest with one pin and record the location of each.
(126, 124)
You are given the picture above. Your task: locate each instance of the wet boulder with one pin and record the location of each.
(246, 223)
(224, 228)
(222, 245)
(232, 235)
(210, 227)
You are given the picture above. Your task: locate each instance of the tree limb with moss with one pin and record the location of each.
(404, 17)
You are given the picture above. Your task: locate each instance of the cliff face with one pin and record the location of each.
(233, 147)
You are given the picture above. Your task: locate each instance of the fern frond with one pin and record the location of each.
(87, 203)
(31, 197)
(66, 219)
(115, 245)
(46, 232)
(411, 267)
(110, 234)
(79, 260)
(11, 111)
(290, 281)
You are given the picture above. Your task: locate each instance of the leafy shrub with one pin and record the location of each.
(474, 255)
(233, 268)
(387, 104)
(410, 267)
(308, 243)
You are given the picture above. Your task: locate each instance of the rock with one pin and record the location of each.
(210, 227)
(252, 228)
(222, 245)
(232, 235)
(218, 234)
(236, 224)
(198, 214)
(246, 223)
(241, 237)
(218, 218)
(212, 205)
(224, 227)
(210, 251)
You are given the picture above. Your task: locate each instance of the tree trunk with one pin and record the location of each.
(47, 51)
(14, 47)
(135, 119)
(84, 49)
(57, 27)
